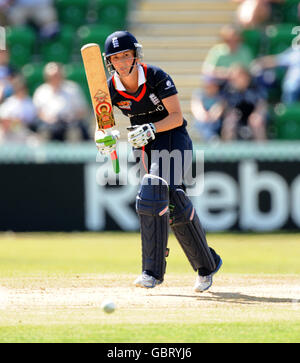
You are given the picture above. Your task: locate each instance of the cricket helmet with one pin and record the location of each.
(120, 41)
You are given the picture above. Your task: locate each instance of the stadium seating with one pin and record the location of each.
(59, 48)
(55, 52)
(20, 41)
(29, 54)
(252, 37)
(72, 12)
(93, 34)
(112, 12)
(26, 47)
(290, 11)
(286, 119)
(76, 73)
(275, 92)
(278, 37)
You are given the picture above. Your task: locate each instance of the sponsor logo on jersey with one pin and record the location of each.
(169, 84)
(125, 105)
(154, 99)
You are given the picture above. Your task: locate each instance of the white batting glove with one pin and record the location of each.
(139, 136)
(106, 142)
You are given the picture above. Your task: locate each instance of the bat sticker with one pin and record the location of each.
(105, 118)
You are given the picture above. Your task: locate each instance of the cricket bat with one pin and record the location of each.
(97, 82)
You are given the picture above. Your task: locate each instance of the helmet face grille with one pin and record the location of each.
(139, 51)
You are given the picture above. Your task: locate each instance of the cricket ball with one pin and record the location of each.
(108, 306)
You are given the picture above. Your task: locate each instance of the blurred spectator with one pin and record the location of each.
(207, 108)
(17, 114)
(290, 59)
(4, 6)
(6, 75)
(229, 52)
(61, 106)
(41, 13)
(252, 13)
(246, 109)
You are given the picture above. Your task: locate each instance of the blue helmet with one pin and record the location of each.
(118, 42)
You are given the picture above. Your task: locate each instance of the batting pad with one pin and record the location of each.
(152, 207)
(189, 232)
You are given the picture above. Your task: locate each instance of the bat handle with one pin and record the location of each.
(115, 161)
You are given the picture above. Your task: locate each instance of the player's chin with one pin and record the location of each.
(124, 73)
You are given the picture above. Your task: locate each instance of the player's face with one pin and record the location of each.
(122, 62)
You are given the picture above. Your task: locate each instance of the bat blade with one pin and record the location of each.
(100, 96)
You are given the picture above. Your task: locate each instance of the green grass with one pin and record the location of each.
(120, 253)
(168, 333)
(238, 309)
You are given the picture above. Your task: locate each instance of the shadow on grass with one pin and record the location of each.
(234, 297)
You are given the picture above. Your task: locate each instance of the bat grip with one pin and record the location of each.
(115, 161)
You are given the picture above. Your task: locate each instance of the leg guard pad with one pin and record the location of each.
(189, 232)
(152, 207)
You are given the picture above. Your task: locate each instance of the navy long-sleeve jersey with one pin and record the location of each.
(146, 106)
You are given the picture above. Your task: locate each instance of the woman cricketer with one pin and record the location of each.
(148, 96)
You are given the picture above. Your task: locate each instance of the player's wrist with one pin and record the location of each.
(153, 127)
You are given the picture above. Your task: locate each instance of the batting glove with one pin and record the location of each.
(139, 136)
(106, 142)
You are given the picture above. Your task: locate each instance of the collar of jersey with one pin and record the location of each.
(142, 72)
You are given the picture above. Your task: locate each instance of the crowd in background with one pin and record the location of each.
(40, 13)
(231, 103)
(58, 109)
